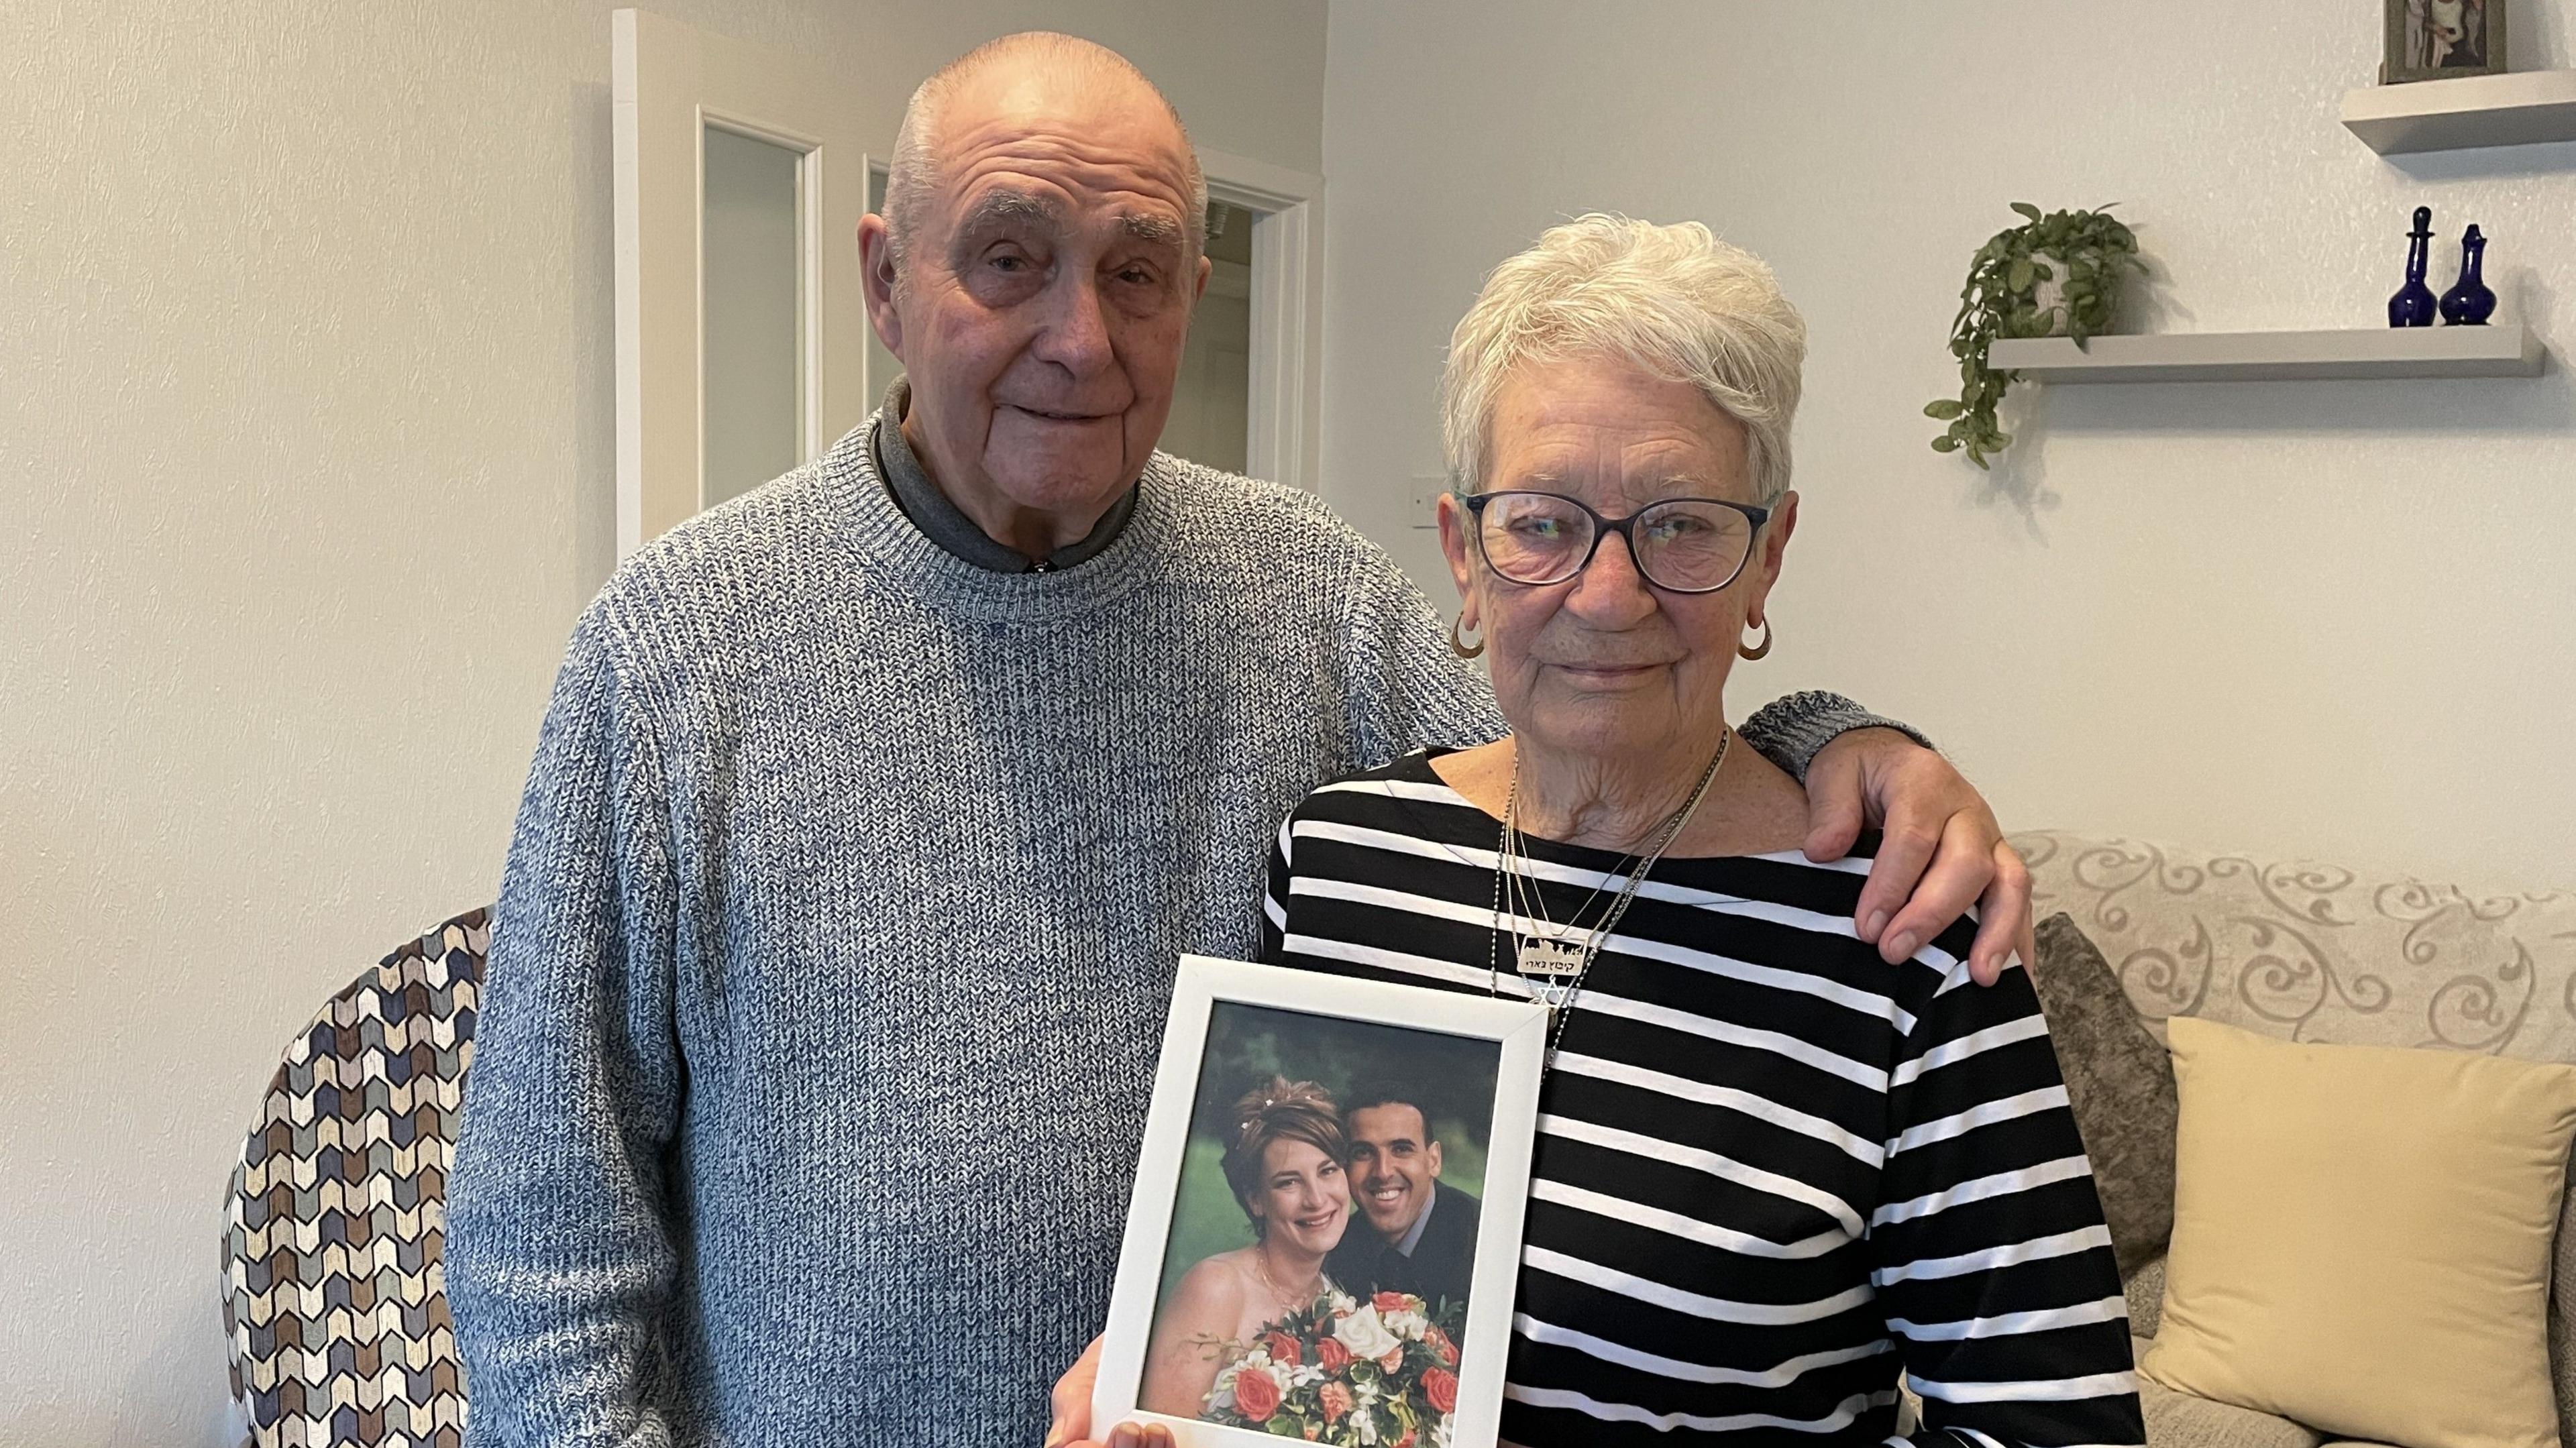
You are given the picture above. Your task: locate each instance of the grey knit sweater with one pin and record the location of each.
(837, 932)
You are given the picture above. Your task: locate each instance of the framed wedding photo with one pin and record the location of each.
(1326, 1226)
(2437, 39)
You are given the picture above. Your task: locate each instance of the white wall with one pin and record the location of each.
(305, 468)
(2322, 617)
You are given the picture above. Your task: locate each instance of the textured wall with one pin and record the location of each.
(2327, 617)
(305, 467)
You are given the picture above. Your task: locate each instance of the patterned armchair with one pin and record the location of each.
(334, 1305)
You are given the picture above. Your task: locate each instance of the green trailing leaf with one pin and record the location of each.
(2089, 252)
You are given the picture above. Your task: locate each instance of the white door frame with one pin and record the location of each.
(670, 82)
(1286, 396)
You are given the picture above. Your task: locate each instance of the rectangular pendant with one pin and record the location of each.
(1550, 959)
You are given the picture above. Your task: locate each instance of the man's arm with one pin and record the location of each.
(1793, 729)
(559, 1257)
(1941, 849)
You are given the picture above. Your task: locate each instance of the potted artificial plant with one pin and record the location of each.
(2056, 275)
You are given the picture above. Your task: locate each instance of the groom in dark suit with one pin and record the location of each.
(1421, 1236)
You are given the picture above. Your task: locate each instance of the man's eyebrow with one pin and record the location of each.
(1150, 226)
(1001, 208)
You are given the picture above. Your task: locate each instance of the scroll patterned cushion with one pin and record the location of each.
(2315, 952)
(333, 1301)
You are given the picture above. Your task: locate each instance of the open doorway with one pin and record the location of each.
(1211, 403)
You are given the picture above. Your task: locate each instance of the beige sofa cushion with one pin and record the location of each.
(2363, 1237)
(2179, 1420)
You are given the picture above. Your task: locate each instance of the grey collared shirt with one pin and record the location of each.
(940, 519)
(1413, 1236)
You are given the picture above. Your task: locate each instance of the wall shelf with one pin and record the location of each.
(2502, 350)
(2514, 109)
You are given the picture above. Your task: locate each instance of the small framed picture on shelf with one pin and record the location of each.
(1326, 1226)
(2438, 39)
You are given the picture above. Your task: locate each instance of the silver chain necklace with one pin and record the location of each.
(1555, 969)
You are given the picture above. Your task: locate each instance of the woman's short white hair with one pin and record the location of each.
(1673, 300)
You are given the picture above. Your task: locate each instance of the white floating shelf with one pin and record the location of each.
(2514, 109)
(2501, 350)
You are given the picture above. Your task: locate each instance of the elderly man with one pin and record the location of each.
(872, 809)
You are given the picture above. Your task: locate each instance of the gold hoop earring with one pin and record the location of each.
(1458, 644)
(1758, 650)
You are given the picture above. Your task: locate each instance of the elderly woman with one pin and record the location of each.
(1771, 1172)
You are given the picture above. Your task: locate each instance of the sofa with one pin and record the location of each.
(2325, 954)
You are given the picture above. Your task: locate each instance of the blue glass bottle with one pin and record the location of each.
(2413, 306)
(2469, 302)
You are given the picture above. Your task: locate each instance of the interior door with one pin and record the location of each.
(741, 175)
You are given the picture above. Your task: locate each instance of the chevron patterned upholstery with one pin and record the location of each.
(333, 1299)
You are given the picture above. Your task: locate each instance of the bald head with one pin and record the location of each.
(1029, 70)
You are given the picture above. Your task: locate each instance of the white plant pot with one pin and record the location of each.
(2050, 292)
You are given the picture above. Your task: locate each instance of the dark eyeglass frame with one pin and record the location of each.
(1603, 526)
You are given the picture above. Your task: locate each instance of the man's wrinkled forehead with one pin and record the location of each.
(1099, 135)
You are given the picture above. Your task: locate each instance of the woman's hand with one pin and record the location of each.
(1941, 850)
(1071, 1402)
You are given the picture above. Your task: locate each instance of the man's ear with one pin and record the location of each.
(1431, 1154)
(876, 282)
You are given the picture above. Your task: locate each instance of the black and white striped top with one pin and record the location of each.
(1772, 1170)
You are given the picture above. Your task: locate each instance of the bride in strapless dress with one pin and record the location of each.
(1287, 1165)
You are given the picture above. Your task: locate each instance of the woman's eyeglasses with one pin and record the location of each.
(1682, 545)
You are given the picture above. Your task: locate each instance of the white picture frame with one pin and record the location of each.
(1519, 1030)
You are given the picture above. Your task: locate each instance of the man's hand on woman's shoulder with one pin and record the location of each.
(1940, 851)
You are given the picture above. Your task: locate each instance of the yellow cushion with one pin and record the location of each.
(2362, 1237)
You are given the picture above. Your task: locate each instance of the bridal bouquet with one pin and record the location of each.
(1375, 1374)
